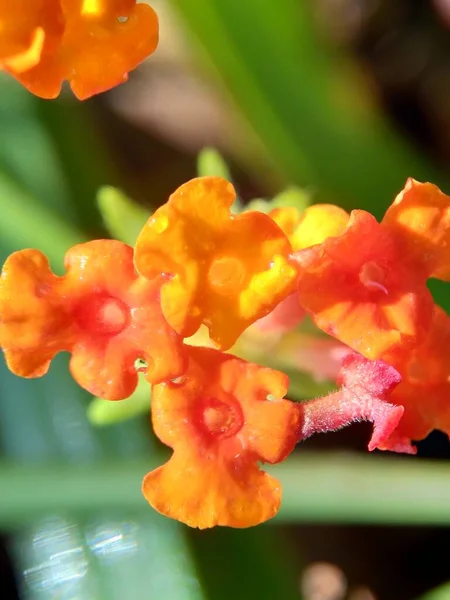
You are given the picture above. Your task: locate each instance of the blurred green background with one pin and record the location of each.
(344, 99)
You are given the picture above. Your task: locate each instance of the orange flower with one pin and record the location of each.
(425, 388)
(28, 28)
(220, 422)
(312, 226)
(420, 218)
(362, 289)
(102, 41)
(101, 312)
(226, 270)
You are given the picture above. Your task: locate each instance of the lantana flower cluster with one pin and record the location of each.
(92, 44)
(120, 310)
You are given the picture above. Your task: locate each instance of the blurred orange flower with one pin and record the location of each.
(100, 311)
(226, 270)
(425, 388)
(101, 41)
(363, 289)
(221, 418)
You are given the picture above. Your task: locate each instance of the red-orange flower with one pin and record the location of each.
(222, 418)
(28, 28)
(363, 289)
(425, 389)
(100, 311)
(102, 41)
(226, 270)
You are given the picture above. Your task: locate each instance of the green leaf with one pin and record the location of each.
(211, 163)
(82, 155)
(303, 100)
(27, 153)
(244, 566)
(292, 197)
(26, 223)
(440, 593)
(102, 412)
(260, 204)
(123, 218)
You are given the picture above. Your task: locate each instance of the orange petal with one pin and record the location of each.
(119, 320)
(220, 422)
(312, 226)
(420, 220)
(100, 310)
(425, 388)
(105, 367)
(371, 299)
(237, 494)
(103, 41)
(270, 423)
(217, 277)
(28, 27)
(34, 326)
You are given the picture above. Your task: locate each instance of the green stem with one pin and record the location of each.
(317, 488)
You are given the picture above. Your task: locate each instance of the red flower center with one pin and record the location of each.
(101, 314)
(220, 419)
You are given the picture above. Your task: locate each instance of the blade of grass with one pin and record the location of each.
(440, 593)
(319, 488)
(299, 97)
(242, 564)
(122, 217)
(26, 223)
(77, 138)
(27, 153)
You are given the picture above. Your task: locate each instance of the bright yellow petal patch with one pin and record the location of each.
(312, 226)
